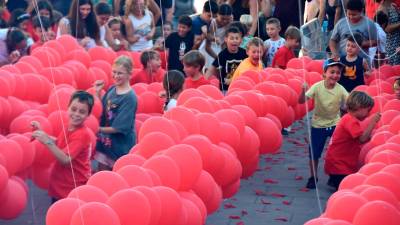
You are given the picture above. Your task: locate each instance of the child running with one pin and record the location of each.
(328, 97)
(72, 149)
(117, 123)
(344, 149)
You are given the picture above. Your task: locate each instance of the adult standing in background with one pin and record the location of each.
(251, 7)
(331, 11)
(119, 8)
(182, 7)
(392, 29)
(61, 5)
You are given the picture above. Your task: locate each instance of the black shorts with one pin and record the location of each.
(318, 139)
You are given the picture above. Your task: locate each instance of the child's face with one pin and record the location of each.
(224, 20)
(332, 75)
(360, 113)
(24, 25)
(352, 48)
(207, 16)
(44, 13)
(292, 43)
(77, 113)
(183, 30)
(154, 64)
(116, 30)
(233, 41)
(102, 19)
(190, 71)
(396, 89)
(353, 15)
(273, 30)
(255, 53)
(167, 29)
(41, 33)
(120, 75)
(85, 10)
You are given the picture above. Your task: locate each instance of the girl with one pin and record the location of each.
(21, 20)
(13, 45)
(173, 86)
(45, 10)
(81, 24)
(72, 149)
(117, 132)
(139, 24)
(119, 41)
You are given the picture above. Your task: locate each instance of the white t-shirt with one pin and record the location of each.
(141, 27)
(103, 36)
(171, 104)
(381, 42)
(273, 47)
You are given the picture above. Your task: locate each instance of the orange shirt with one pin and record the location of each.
(189, 83)
(344, 148)
(79, 149)
(246, 65)
(143, 77)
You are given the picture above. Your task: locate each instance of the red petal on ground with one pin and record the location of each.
(283, 219)
(286, 203)
(298, 178)
(240, 223)
(278, 195)
(270, 181)
(244, 212)
(259, 192)
(229, 206)
(234, 217)
(291, 168)
(265, 202)
(304, 189)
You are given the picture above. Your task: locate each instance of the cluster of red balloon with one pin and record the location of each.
(372, 195)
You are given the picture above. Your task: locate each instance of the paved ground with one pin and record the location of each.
(274, 195)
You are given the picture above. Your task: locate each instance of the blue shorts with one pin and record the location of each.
(318, 139)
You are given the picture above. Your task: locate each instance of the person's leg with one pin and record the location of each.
(101, 167)
(335, 179)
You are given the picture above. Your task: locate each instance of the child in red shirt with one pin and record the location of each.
(348, 137)
(193, 63)
(152, 71)
(72, 149)
(42, 30)
(286, 52)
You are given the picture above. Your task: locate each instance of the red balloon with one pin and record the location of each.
(109, 182)
(393, 169)
(59, 100)
(232, 117)
(131, 206)
(345, 207)
(270, 136)
(171, 205)
(150, 103)
(318, 221)
(135, 176)
(126, 160)
(386, 156)
(249, 146)
(189, 161)
(154, 201)
(57, 46)
(159, 124)
(189, 94)
(103, 65)
(13, 155)
(88, 193)
(351, 181)
(5, 89)
(193, 213)
(240, 84)
(68, 42)
(60, 212)
(185, 117)
(27, 148)
(215, 201)
(25, 67)
(13, 200)
(209, 126)
(377, 212)
(99, 53)
(204, 186)
(231, 135)
(95, 213)
(380, 193)
(211, 91)
(230, 171)
(154, 142)
(201, 104)
(166, 169)
(3, 178)
(371, 168)
(386, 180)
(41, 176)
(197, 201)
(230, 190)
(205, 148)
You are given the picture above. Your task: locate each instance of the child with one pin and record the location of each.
(344, 148)
(173, 86)
(21, 19)
(119, 43)
(12, 45)
(274, 42)
(286, 52)
(42, 26)
(151, 71)
(254, 51)
(178, 43)
(356, 67)
(139, 24)
(200, 23)
(328, 97)
(247, 21)
(193, 63)
(72, 149)
(117, 123)
(159, 44)
(43, 9)
(396, 88)
(103, 14)
(377, 54)
(228, 59)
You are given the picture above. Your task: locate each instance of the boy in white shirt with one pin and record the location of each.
(274, 42)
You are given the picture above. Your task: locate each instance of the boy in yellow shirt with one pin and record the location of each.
(254, 51)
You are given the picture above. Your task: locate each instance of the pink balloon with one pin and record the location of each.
(95, 213)
(171, 205)
(88, 193)
(109, 182)
(135, 176)
(60, 213)
(130, 159)
(351, 181)
(13, 200)
(377, 212)
(166, 169)
(345, 207)
(154, 201)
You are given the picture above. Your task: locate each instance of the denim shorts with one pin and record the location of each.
(318, 140)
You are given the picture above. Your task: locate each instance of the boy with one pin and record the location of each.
(328, 97)
(151, 71)
(103, 14)
(355, 67)
(353, 22)
(178, 43)
(71, 149)
(286, 52)
(396, 88)
(343, 151)
(254, 51)
(193, 63)
(247, 21)
(274, 42)
(200, 23)
(228, 59)
(377, 54)
(42, 30)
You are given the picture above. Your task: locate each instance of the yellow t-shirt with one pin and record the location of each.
(327, 104)
(244, 66)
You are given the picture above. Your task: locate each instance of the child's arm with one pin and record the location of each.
(367, 69)
(130, 32)
(150, 35)
(212, 71)
(302, 97)
(367, 132)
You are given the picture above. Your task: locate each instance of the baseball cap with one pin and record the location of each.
(332, 62)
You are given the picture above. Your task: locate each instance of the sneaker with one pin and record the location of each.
(284, 132)
(311, 183)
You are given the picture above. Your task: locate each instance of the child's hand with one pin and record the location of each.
(85, 41)
(305, 86)
(99, 85)
(36, 125)
(42, 137)
(376, 117)
(14, 56)
(149, 36)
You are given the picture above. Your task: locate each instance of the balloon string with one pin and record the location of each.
(59, 104)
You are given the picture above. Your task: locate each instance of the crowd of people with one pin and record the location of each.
(224, 40)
